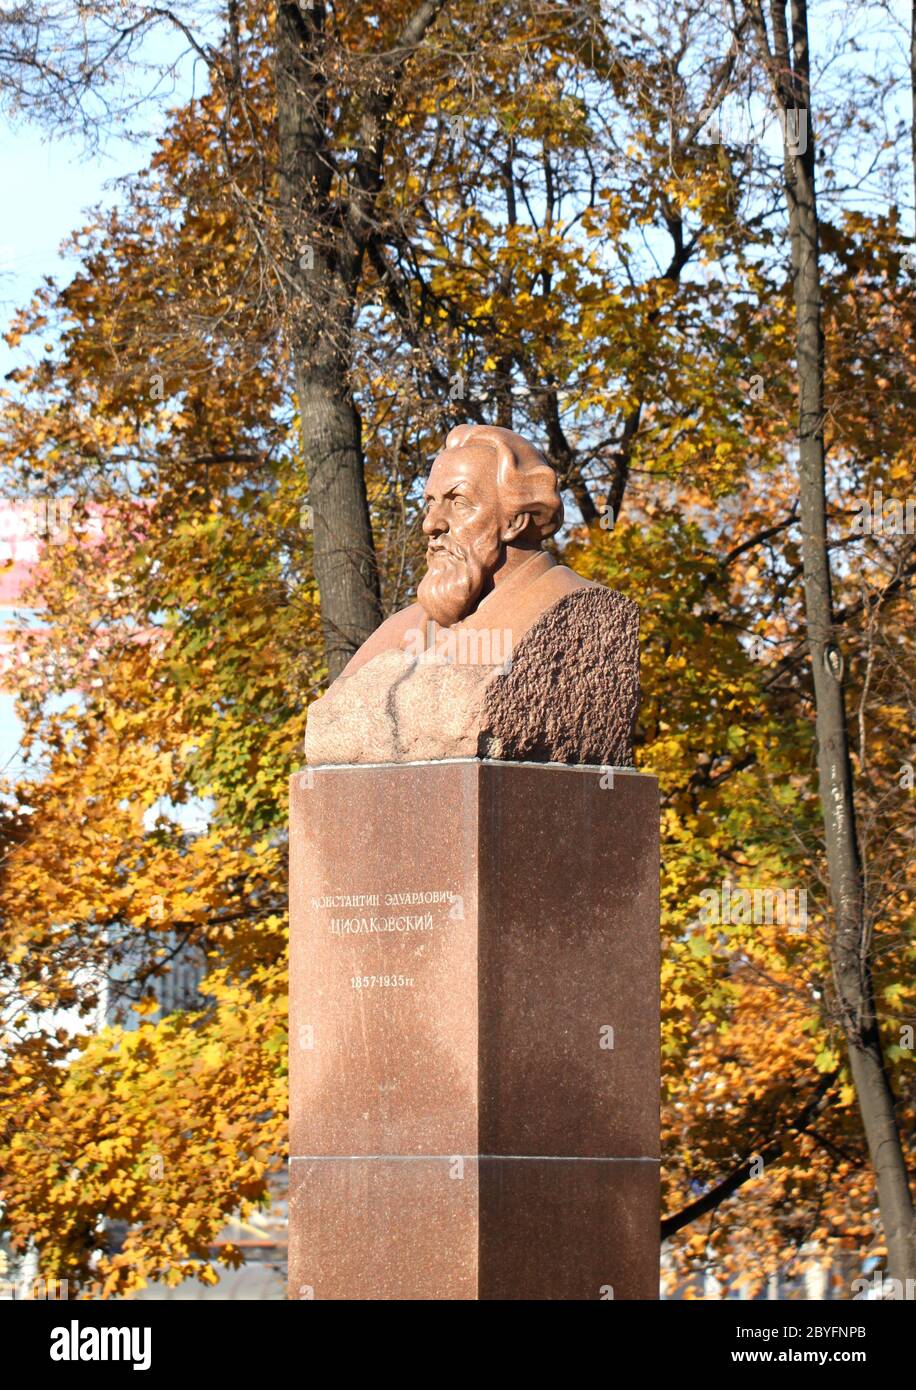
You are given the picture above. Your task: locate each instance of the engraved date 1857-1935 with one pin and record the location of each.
(373, 981)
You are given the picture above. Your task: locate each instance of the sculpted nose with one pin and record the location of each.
(433, 523)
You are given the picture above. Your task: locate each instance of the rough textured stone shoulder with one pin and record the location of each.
(572, 692)
(569, 693)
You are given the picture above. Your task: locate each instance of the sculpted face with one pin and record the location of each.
(467, 532)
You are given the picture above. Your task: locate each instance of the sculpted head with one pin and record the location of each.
(488, 492)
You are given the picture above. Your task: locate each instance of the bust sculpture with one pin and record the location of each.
(506, 653)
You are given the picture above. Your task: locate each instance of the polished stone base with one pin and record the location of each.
(474, 1032)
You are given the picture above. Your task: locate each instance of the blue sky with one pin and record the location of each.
(47, 184)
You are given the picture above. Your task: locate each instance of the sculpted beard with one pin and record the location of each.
(456, 577)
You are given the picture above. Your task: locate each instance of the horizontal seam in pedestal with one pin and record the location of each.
(481, 762)
(419, 1158)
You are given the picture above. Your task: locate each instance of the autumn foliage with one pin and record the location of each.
(560, 261)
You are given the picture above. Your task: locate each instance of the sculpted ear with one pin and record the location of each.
(516, 527)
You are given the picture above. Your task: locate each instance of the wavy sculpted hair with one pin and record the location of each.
(525, 479)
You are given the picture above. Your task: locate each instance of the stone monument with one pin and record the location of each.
(474, 974)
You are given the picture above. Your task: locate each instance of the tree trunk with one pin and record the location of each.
(913, 91)
(849, 938)
(343, 551)
(323, 263)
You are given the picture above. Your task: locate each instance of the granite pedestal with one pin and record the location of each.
(474, 1032)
